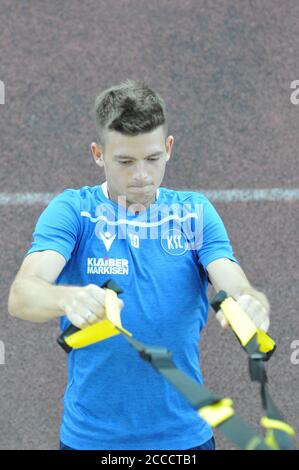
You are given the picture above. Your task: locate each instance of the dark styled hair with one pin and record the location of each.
(130, 108)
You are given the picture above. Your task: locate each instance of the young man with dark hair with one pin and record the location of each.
(162, 247)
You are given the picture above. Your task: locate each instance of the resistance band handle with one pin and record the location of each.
(68, 332)
(113, 286)
(256, 342)
(218, 299)
(73, 329)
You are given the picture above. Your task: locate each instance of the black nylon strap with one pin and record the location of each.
(234, 427)
(258, 374)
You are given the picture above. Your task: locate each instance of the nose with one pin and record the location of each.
(140, 176)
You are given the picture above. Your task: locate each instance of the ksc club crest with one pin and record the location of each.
(174, 242)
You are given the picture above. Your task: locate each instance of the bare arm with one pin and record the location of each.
(33, 296)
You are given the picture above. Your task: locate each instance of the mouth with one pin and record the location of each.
(140, 187)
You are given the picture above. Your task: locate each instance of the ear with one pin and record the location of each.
(97, 155)
(169, 145)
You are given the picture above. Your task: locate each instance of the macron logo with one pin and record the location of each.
(107, 238)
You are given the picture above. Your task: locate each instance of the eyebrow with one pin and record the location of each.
(132, 158)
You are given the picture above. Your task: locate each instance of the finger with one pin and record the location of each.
(247, 301)
(75, 319)
(81, 323)
(97, 293)
(254, 309)
(91, 318)
(260, 319)
(244, 301)
(89, 303)
(259, 316)
(222, 320)
(265, 325)
(96, 308)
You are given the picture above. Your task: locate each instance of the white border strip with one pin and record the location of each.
(273, 194)
(228, 195)
(26, 198)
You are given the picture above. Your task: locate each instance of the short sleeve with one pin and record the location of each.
(215, 241)
(58, 226)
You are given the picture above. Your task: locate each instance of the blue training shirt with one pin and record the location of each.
(114, 399)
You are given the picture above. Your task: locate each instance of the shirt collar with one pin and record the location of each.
(105, 190)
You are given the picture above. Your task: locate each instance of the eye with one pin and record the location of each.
(125, 162)
(153, 159)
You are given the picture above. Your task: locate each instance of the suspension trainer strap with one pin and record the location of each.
(217, 411)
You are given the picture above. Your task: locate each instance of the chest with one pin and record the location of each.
(142, 248)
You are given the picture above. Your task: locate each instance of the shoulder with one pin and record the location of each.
(183, 196)
(78, 198)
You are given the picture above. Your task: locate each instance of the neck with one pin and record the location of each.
(135, 207)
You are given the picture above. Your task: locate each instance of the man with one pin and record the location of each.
(162, 247)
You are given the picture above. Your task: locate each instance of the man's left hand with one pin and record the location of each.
(255, 304)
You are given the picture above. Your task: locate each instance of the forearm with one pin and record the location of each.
(238, 285)
(230, 277)
(36, 300)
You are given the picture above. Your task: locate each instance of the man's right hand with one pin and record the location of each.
(85, 306)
